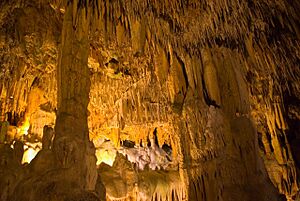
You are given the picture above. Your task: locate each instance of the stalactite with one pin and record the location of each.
(148, 72)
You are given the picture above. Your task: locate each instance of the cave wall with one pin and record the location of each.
(218, 80)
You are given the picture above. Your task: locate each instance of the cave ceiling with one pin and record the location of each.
(218, 81)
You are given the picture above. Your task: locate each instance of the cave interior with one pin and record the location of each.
(157, 100)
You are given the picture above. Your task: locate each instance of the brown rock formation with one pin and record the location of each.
(66, 171)
(217, 81)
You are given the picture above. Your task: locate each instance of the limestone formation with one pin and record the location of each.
(11, 171)
(202, 97)
(48, 134)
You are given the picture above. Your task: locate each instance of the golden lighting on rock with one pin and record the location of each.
(25, 127)
(29, 154)
(105, 156)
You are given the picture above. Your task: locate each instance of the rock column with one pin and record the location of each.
(72, 147)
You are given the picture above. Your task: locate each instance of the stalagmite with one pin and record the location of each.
(149, 100)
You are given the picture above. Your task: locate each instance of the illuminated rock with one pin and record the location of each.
(29, 154)
(218, 81)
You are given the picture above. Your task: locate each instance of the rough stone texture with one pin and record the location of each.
(66, 170)
(218, 80)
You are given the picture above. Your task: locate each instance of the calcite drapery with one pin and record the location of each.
(149, 71)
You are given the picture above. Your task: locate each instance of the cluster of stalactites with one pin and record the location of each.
(174, 194)
(163, 192)
(220, 19)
